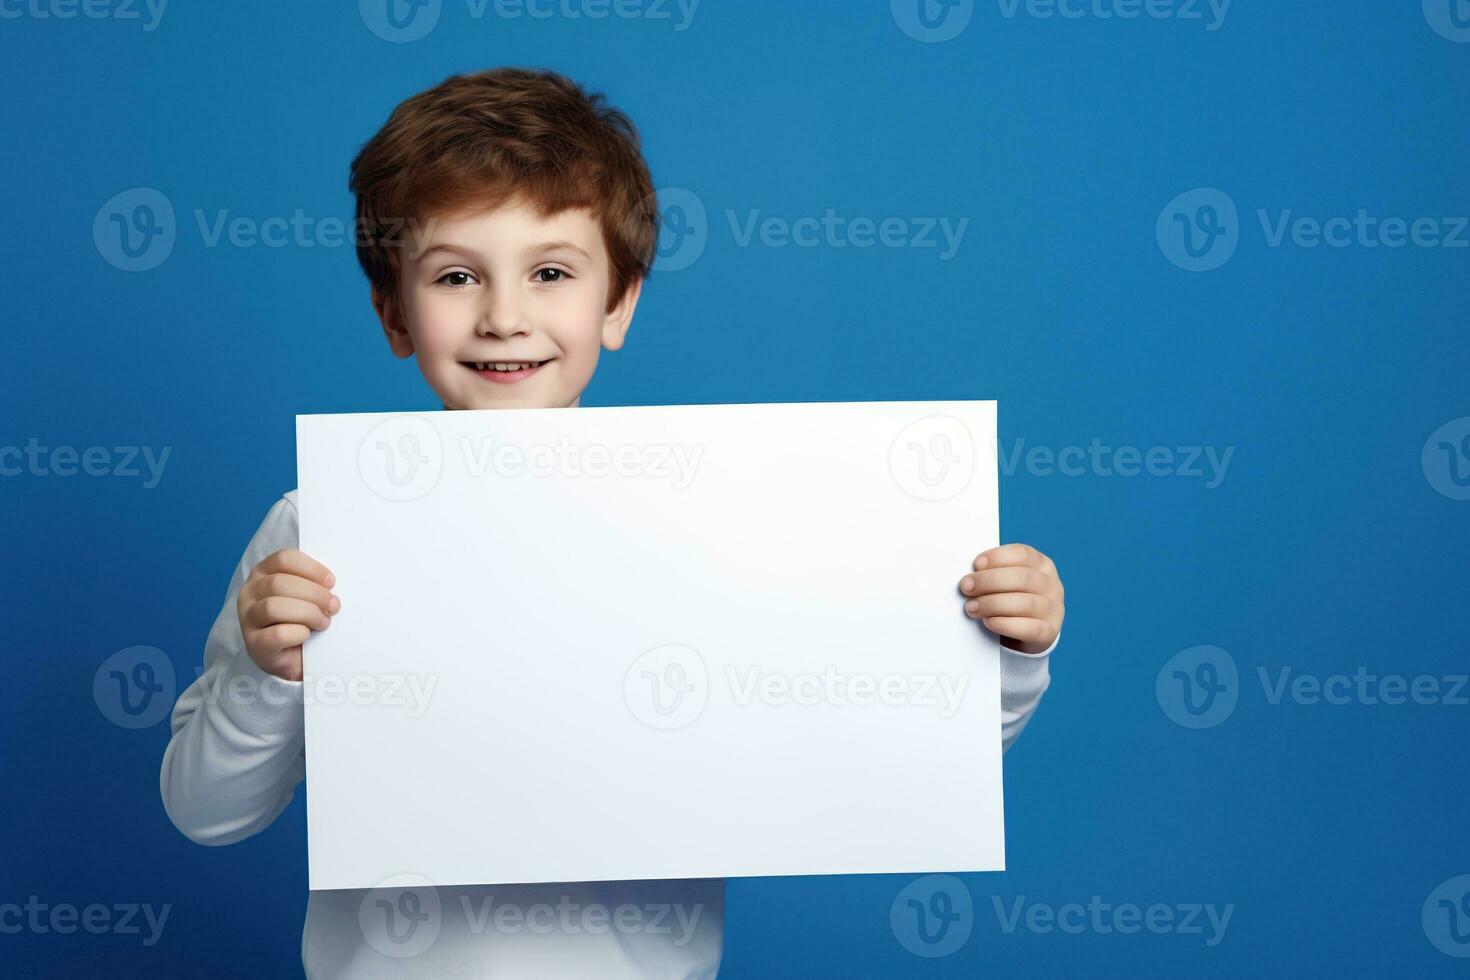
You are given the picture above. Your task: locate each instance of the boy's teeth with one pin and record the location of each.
(504, 365)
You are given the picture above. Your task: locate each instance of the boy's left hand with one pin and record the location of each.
(1016, 592)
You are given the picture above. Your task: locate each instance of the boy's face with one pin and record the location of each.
(482, 290)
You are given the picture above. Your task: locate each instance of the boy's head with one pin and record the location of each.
(505, 217)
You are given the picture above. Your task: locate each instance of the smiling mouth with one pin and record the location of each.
(505, 370)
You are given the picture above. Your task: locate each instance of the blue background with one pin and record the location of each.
(1325, 548)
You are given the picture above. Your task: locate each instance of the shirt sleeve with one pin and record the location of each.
(1024, 678)
(237, 750)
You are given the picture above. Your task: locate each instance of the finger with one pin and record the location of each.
(294, 586)
(289, 666)
(281, 636)
(283, 609)
(295, 562)
(1013, 554)
(286, 664)
(1013, 578)
(1018, 628)
(1021, 604)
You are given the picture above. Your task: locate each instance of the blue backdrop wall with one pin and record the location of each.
(1228, 239)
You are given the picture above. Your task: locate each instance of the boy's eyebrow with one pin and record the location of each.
(470, 253)
(553, 246)
(446, 247)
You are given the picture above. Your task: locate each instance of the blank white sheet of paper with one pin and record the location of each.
(655, 642)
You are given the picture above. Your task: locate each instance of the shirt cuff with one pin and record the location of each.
(261, 703)
(1034, 656)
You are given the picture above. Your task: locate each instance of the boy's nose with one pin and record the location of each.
(502, 316)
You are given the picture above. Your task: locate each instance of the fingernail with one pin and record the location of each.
(334, 605)
(968, 583)
(331, 580)
(981, 562)
(972, 606)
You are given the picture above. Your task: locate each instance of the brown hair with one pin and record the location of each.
(475, 141)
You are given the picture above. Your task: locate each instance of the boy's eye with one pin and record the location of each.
(550, 275)
(456, 279)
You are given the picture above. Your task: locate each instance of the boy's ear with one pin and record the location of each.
(616, 321)
(394, 328)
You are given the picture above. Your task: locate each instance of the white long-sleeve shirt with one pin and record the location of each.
(233, 764)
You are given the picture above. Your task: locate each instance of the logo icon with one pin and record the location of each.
(1446, 459)
(1449, 18)
(932, 21)
(932, 916)
(135, 230)
(1446, 917)
(401, 917)
(934, 458)
(1198, 687)
(683, 230)
(1199, 230)
(667, 687)
(402, 458)
(134, 688)
(400, 21)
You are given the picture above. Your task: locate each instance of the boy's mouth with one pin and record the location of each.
(504, 372)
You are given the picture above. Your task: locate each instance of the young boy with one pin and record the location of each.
(508, 234)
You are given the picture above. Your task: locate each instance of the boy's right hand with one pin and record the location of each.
(286, 597)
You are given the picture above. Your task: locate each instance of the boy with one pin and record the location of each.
(507, 241)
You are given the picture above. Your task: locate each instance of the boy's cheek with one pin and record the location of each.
(581, 363)
(436, 349)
